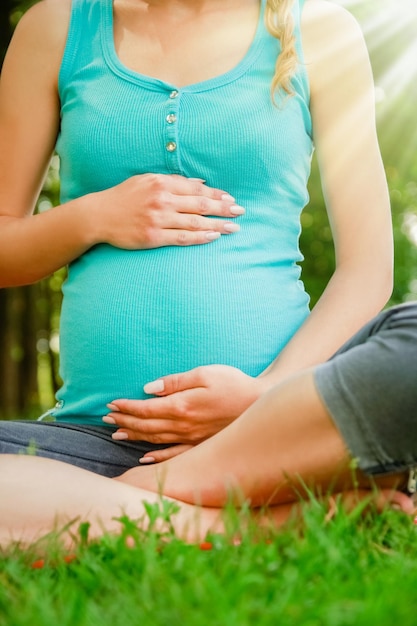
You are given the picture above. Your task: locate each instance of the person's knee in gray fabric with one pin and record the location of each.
(400, 316)
(370, 390)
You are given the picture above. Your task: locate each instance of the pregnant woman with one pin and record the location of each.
(185, 131)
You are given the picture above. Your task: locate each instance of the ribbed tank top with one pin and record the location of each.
(129, 317)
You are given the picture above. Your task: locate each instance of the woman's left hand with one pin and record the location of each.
(190, 407)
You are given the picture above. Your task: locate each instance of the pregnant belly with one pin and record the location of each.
(129, 318)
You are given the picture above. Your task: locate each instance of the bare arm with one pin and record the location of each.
(142, 212)
(29, 119)
(354, 186)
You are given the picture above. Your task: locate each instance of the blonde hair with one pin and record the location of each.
(280, 23)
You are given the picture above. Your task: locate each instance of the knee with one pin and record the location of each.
(401, 316)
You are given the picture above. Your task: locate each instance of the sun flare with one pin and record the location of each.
(390, 29)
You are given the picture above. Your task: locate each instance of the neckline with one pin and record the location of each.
(155, 84)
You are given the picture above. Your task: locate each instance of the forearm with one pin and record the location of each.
(39, 496)
(346, 304)
(33, 247)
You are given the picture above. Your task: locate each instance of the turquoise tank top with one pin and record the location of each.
(129, 317)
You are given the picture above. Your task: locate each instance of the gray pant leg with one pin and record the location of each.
(89, 447)
(370, 390)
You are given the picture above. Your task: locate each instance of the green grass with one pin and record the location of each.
(354, 570)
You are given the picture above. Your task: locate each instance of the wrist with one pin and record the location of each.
(89, 226)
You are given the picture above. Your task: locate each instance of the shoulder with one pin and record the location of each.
(45, 25)
(328, 27)
(326, 15)
(333, 41)
(39, 40)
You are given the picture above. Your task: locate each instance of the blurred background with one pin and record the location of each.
(29, 316)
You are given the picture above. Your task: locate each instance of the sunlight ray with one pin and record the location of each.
(402, 72)
(390, 30)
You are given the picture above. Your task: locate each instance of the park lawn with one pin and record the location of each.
(353, 569)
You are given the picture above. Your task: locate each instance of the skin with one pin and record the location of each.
(154, 210)
(284, 456)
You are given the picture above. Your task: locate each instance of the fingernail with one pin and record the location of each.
(119, 436)
(227, 196)
(235, 209)
(156, 386)
(108, 420)
(112, 407)
(197, 180)
(146, 459)
(211, 236)
(231, 228)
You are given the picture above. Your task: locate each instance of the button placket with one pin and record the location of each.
(171, 132)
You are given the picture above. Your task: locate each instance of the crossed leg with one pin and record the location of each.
(280, 448)
(283, 442)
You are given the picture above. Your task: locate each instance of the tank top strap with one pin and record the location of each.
(84, 36)
(297, 11)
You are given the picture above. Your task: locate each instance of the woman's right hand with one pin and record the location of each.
(155, 210)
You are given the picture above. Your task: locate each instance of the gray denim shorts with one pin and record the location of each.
(89, 447)
(370, 390)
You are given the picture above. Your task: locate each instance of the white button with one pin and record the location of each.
(171, 118)
(171, 146)
(173, 94)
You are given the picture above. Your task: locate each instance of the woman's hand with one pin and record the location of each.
(190, 407)
(155, 210)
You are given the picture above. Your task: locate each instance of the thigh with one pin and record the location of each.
(88, 447)
(370, 389)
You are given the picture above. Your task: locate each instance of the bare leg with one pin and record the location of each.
(39, 495)
(262, 454)
(283, 441)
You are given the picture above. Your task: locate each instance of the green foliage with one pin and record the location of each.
(355, 570)
(18, 8)
(316, 241)
(404, 207)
